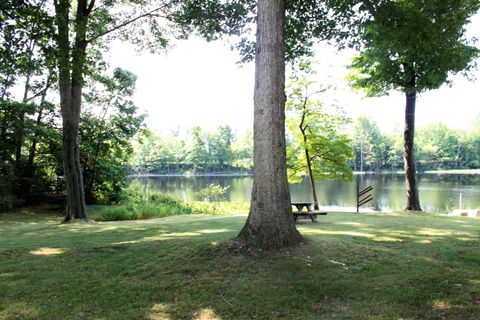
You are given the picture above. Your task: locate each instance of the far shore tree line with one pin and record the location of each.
(198, 151)
(56, 48)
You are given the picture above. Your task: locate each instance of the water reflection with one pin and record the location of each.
(438, 192)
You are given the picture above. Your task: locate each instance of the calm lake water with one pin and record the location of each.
(438, 192)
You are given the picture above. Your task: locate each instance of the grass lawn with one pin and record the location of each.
(367, 266)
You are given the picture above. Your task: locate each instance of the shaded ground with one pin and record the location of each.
(368, 266)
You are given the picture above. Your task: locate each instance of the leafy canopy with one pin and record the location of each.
(306, 21)
(413, 46)
(314, 123)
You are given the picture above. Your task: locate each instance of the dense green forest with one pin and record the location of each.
(227, 151)
(194, 150)
(31, 138)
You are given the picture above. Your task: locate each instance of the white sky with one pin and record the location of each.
(199, 83)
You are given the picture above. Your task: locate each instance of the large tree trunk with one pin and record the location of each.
(75, 207)
(70, 84)
(413, 201)
(270, 222)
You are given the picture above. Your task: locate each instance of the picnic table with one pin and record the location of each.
(309, 213)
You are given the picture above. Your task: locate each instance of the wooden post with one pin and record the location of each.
(358, 197)
(367, 196)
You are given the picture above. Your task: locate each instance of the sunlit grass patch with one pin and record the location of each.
(46, 251)
(206, 314)
(159, 311)
(21, 310)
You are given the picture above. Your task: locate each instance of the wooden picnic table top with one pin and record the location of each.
(303, 204)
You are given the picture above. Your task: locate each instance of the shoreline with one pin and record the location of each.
(440, 171)
(152, 175)
(187, 175)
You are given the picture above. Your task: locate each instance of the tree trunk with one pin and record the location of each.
(21, 126)
(361, 156)
(21, 118)
(3, 137)
(270, 223)
(33, 147)
(312, 180)
(413, 201)
(70, 85)
(303, 129)
(75, 207)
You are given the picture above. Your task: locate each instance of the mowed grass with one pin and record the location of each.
(366, 266)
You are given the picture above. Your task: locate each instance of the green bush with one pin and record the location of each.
(117, 213)
(9, 202)
(212, 192)
(138, 204)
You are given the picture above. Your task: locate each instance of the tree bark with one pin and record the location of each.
(70, 85)
(413, 201)
(270, 223)
(303, 129)
(312, 179)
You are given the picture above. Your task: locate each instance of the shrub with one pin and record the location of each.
(212, 192)
(117, 213)
(9, 202)
(138, 204)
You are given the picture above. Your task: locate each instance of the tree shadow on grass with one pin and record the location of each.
(354, 267)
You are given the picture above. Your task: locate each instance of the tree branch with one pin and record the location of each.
(90, 7)
(323, 157)
(126, 23)
(295, 170)
(39, 93)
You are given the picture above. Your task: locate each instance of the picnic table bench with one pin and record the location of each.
(309, 213)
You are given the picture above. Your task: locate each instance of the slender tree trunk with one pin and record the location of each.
(361, 156)
(21, 118)
(3, 137)
(270, 222)
(312, 180)
(21, 127)
(413, 201)
(303, 129)
(33, 147)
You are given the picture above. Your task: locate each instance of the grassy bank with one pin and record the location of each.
(167, 207)
(368, 266)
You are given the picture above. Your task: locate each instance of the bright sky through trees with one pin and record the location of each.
(199, 83)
